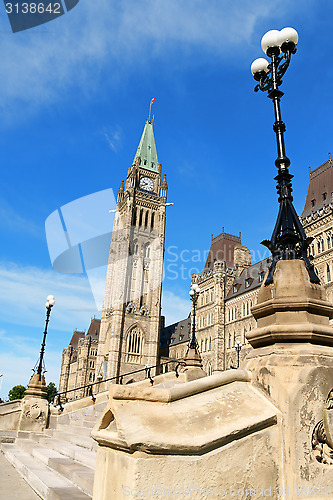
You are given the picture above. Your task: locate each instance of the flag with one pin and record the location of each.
(153, 99)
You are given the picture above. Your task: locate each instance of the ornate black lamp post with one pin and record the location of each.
(40, 366)
(238, 347)
(194, 294)
(288, 240)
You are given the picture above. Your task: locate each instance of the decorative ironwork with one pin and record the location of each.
(288, 240)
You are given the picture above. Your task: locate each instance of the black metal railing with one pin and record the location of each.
(61, 397)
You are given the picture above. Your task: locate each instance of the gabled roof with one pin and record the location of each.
(222, 249)
(76, 337)
(249, 279)
(147, 149)
(177, 333)
(320, 188)
(93, 330)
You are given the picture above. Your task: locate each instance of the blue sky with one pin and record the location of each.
(74, 95)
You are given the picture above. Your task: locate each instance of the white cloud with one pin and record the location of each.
(41, 64)
(174, 307)
(23, 292)
(113, 138)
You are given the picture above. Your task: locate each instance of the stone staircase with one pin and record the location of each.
(58, 463)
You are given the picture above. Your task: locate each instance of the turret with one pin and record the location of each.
(164, 187)
(121, 192)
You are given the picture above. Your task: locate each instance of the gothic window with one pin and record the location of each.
(328, 242)
(245, 332)
(206, 345)
(147, 250)
(152, 220)
(322, 246)
(146, 219)
(134, 345)
(209, 369)
(261, 277)
(134, 218)
(202, 343)
(234, 338)
(140, 218)
(247, 283)
(229, 341)
(328, 273)
(210, 343)
(319, 246)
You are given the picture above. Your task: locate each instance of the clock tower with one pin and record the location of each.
(131, 315)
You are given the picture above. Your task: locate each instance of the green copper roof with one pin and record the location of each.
(147, 149)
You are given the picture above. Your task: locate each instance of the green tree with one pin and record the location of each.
(16, 392)
(51, 391)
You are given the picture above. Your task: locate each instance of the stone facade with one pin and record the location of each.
(78, 365)
(131, 315)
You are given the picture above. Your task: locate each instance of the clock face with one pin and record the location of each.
(146, 183)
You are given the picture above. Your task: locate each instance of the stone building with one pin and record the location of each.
(131, 315)
(229, 286)
(78, 363)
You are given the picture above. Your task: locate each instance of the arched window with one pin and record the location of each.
(152, 220)
(206, 344)
(229, 342)
(140, 218)
(209, 369)
(328, 242)
(134, 345)
(245, 332)
(234, 338)
(210, 343)
(328, 272)
(146, 251)
(319, 246)
(146, 219)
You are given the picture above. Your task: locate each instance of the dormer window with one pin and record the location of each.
(247, 282)
(235, 288)
(324, 196)
(313, 202)
(261, 277)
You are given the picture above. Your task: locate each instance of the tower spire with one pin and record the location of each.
(147, 149)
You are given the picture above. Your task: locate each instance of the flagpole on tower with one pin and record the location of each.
(151, 102)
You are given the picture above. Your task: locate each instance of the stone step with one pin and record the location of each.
(82, 455)
(7, 436)
(45, 481)
(71, 437)
(77, 429)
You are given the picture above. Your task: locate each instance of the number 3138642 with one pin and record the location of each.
(33, 8)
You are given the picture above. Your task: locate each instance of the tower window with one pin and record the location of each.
(324, 196)
(313, 202)
(328, 273)
(146, 219)
(134, 346)
(141, 216)
(152, 220)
